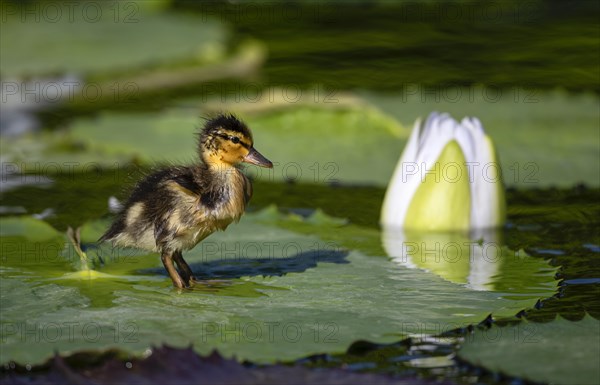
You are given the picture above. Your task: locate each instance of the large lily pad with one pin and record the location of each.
(557, 352)
(310, 144)
(271, 291)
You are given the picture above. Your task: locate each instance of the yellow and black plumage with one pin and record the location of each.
(173, 209)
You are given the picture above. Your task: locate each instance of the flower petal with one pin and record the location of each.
(443, 201)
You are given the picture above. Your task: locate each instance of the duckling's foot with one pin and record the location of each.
(184, 268)
(167, 260)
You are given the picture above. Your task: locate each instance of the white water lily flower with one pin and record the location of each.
(448, 178)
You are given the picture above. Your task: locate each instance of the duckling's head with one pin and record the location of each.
(226, 141)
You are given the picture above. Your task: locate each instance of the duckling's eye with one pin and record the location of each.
(234, 139)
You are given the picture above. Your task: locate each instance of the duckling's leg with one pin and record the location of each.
(167, 260)
(188, 274)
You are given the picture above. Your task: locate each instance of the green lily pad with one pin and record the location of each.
(557, 352)
(34, 230)
(310, 144)
(271, 290)
(84, 38)
(155, 137)
(322, 145)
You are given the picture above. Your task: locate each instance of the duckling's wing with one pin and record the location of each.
(149, 200)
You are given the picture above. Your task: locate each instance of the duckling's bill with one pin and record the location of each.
(255, 157)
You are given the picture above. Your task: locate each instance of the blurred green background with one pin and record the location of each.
(330, 89)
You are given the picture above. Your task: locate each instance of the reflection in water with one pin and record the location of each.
(485, 255)
(477, 259)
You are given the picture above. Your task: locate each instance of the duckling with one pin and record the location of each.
(173, 209)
